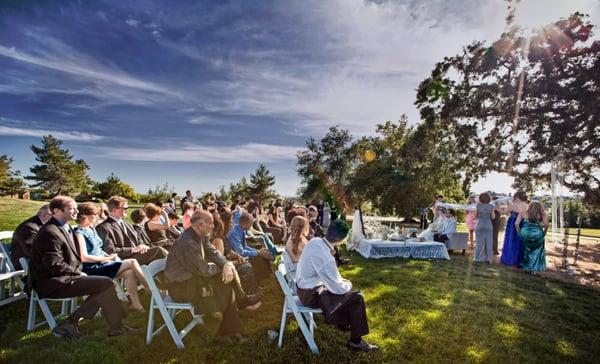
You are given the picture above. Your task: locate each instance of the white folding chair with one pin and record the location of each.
(304, 315)
(167, 307)
(68, 305)
(9, 274)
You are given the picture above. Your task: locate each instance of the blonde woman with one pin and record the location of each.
(299, 229)
(97, 263)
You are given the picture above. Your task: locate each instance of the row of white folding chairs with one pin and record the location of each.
(8, 274)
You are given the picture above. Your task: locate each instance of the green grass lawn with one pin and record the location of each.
(419, 311)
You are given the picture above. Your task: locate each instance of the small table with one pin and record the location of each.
(377, 248)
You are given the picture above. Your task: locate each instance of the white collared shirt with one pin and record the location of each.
(317, 267)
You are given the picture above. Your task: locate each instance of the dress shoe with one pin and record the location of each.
(124, 330)
(362, 346)
(343, 261)
(251, 301)
(67, 330)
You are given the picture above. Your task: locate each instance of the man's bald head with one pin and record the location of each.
(202, 222)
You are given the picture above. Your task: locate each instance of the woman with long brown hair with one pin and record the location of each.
(532, 232)
(157, 230)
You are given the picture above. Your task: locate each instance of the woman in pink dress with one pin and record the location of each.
(471, 221)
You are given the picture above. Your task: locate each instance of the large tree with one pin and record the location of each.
(113, 186)
(326, 166)
(261, 183)
(58, 173)
(522, 102)
(11, 182)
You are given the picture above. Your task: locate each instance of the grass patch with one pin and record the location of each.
(419, 311)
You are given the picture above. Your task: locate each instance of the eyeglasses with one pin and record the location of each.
(125, 208)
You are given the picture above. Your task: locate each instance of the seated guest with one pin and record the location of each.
(98, 263)
(188, 211)
(174, 231)
(317, 231)
(56, 272)
(25, 234)
(448, 229)
(138, 216)
(435, 226)
(297, 240)
(218, 239)
(275, 221)
(196, 272)
(320, 285)
(157, 230)
(255, 232)
(260, 259)
(120, 237)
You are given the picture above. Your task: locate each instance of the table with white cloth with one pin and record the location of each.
(377, 248)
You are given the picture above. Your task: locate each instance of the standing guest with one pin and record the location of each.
(187, 198)
(320, 285)
(156, 230)
(25, 234)
(97, 263)
(484, 231)
(260, 259)
(138, 216)
(196, 272)
(120, 237)
(448, 229)
(471, 222)
(326, 215)
(512, 249)
(532, 232)
(56, 272)
(496, 227)
(188, 210)
(320, 212)
(297, 240)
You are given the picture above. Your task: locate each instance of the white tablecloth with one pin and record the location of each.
(376, 248)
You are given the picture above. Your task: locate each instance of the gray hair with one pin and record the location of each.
(199, 217)
(44, 209)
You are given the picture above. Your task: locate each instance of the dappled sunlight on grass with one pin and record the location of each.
(566, 348)
(444, 301)
(477, 353)
(514, 303)
(554, 289)
(509, 332)
(35, 335)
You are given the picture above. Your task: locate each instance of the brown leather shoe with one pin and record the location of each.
(251, 301)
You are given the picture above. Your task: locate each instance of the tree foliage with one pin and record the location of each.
(113, 186)
(58, 173)
(11, 182)
(261, 184)
(159, 193)
(525, 100)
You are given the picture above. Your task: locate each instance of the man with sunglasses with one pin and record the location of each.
(121, 238)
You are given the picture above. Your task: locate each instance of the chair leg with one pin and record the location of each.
(47, 313)
(150, 329)
(32, 312)
(282, 325)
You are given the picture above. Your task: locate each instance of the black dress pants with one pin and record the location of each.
(345, 311)
(210, 294)
(101, 294)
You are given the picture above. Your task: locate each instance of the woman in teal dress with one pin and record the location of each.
(532, 233)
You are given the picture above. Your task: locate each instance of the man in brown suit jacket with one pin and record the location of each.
(24, 235)
(120, 237)
(56, 272)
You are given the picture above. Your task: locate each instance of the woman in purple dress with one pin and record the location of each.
(512, 249)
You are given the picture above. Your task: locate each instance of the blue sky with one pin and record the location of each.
(197, 93)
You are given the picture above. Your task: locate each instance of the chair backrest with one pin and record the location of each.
(25, 264)
(6, 264)
(150, 271)
(283, 282)
(5, 235)
(460, 237)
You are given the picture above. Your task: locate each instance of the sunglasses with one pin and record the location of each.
(124, 208)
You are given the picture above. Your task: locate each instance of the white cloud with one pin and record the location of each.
(251, 152)
(64, 135)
